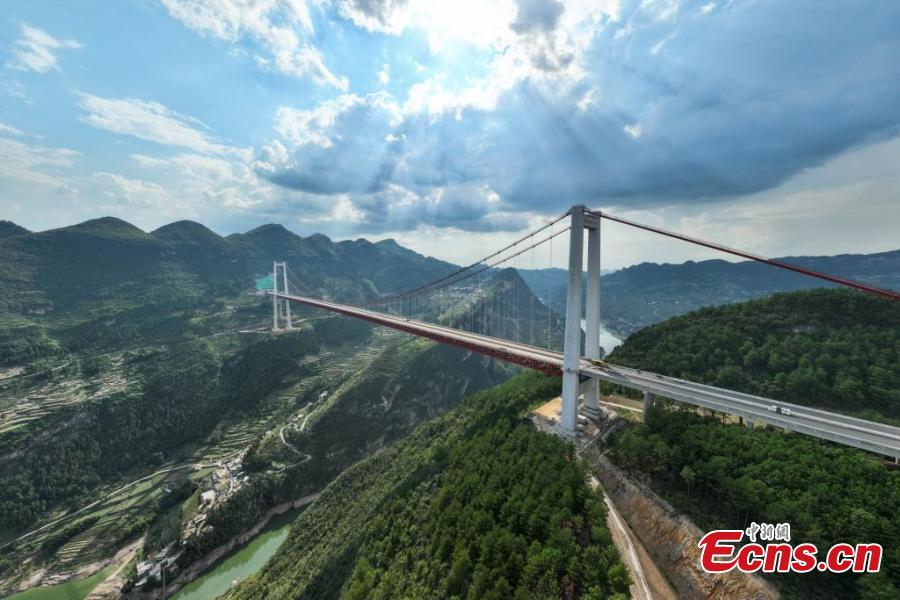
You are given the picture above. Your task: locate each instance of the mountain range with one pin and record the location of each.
(124, 353)
(106, 278)
(103, 257)
(637, 296)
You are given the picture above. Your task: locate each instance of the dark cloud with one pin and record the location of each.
(537, 15)
(690, 106)
(373, 14)
(467, 207)
(359, 157)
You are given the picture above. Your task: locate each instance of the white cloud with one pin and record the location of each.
(634, 130)
(272, 155)
(133, 191)
(660, 10)
(540, 40)
(383, 16)
(210, 181)
(384, 75)
(36, 50)
(34, 164)
(148, 162)
(436, 95)
(9, 130)
(589, 98)
(229, 19)
(847, 205)
(640, 129)
(283, 27)
(314, 126)
(344, 211)
(150, 121)
(15, 89)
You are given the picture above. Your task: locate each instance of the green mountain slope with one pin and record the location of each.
(9, 229)
(474, 504)
(114, 280)
(410, 382)
(125, 353)
(838, 349)
(825, 347)
(174, 396)
(120, 354)
(727, 476)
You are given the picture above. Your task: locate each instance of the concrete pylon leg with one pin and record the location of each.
(748, 422)
(649, 401)
(572, 342)
(274, 297)
(591, 406)
(287, 304)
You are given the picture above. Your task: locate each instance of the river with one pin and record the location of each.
(242, 562)
(607, 340)
(238, 565)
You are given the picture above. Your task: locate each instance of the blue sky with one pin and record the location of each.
(768, 125)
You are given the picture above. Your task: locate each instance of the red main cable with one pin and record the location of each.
(769, 261)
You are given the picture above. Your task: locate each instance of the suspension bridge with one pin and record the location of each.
(464, 309)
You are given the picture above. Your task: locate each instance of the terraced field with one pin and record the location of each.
(291, 405)
(21, 402)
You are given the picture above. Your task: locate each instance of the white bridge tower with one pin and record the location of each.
(572, 387)
(280, 307)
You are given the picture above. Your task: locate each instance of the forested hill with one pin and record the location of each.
(104, 283)
(475, 504)
(838, 349)
(108, 258)
(9, 229)
(832, 348)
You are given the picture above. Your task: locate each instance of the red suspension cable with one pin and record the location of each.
(769, 261)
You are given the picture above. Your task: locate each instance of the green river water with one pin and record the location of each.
(239, 564)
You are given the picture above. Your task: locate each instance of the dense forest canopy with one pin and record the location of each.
(510, 517)
(826, 347)
(727, 476)
(838, 349)
(475, 504)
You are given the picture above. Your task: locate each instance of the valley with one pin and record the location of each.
(149, 432)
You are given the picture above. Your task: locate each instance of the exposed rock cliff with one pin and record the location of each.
(671, 539)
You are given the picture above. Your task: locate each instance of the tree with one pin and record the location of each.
(688, 476)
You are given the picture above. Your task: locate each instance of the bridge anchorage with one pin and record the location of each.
(428, 311)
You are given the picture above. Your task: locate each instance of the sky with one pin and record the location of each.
(455, 127)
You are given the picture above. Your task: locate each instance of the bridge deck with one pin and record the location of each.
(867, 435)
